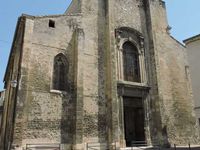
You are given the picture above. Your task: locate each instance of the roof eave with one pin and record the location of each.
(192, 39)
(21, 21)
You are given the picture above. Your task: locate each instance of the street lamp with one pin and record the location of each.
(13, 83)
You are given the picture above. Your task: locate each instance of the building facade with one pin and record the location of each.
(106, 72)
(193, 50)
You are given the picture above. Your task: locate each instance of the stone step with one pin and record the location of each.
(157, 148)
(136, 148)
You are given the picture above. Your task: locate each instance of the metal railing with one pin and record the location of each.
(189, 147)
(158, 146)
(103, 146)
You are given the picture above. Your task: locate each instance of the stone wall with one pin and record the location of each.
(175, 96)
(43, 114)
(91, 110)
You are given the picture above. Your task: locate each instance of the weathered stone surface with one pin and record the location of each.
(91, 36)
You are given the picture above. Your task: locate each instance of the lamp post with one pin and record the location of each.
(13, 83)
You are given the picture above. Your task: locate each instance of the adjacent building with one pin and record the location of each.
(193, 50)
(104, 74)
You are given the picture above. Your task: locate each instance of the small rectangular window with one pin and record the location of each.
(51, 24)
(187, 72)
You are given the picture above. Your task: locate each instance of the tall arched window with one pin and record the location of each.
(60, 72)
(131, 62)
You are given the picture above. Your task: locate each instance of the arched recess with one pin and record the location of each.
(132, 41)
(60, 73)
(132, 86)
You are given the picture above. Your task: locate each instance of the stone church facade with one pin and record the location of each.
(106, 72)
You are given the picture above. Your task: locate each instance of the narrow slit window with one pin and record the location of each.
(199, 121)
(187, 72)
(51, 24)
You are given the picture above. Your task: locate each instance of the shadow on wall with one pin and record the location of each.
(101, 100)
(68, 124)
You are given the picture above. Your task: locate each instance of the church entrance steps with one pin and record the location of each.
(157, 148)
(136, 148)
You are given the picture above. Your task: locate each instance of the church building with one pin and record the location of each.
(106, 74)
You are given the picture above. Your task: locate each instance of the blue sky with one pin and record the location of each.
(183, 16)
